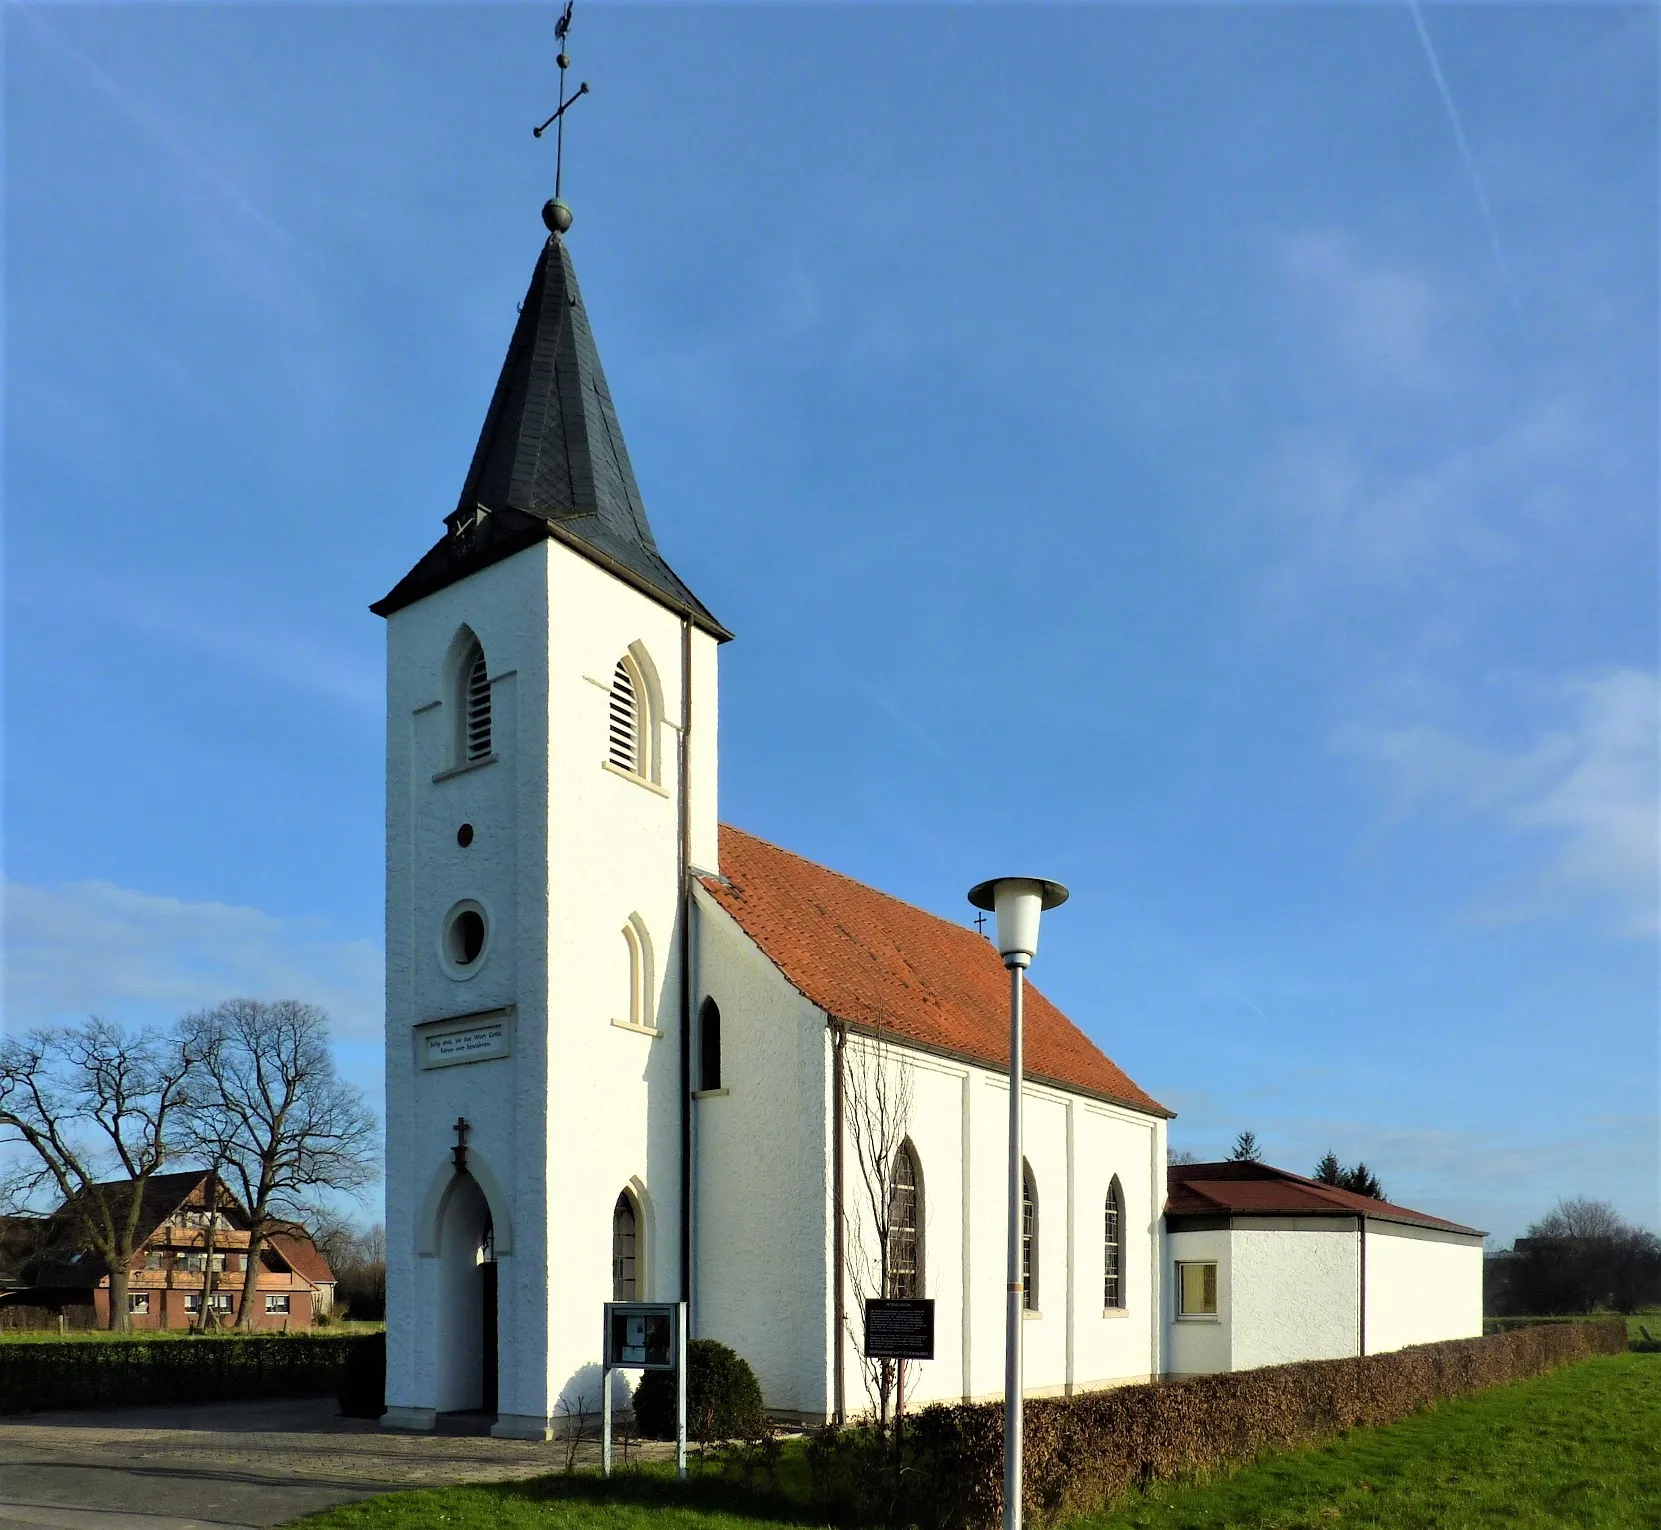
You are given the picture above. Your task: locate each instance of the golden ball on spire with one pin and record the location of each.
(556, 215)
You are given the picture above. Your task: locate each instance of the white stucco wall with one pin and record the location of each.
(565, 851)
(1294, 1291)
(1074, 1146)
(1197, 1346)
(1289, 1289)
(761, 1278)
(1422, 1286)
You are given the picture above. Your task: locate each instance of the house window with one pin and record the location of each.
(1197, 1290)
(138, 1302)
(475, 705)
(709, 1045)
(1113, 1247)
(905, 1244)
(220, 1301)
(625, 735)
(641, 994)
(195, 1263)
(153, 1260)
(277, 1303)
(1029, 1239)
(624, 1243)
(193, 1301)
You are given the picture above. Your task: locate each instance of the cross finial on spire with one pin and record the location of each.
(556, 214)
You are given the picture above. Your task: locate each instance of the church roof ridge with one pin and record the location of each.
(551, 461)
(873, 961)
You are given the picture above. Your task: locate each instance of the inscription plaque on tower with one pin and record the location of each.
(466, 1039)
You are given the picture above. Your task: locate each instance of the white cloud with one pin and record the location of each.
(93, 948)
(1588, 787)
(1381, 320)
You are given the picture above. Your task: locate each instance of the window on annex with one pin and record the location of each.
(1029, 1239)
(905, 1227)
(709, 1045)
(138, 1302)
(1113, 1247)
(275, 1303)
(625, 1246)
(1197, 1289)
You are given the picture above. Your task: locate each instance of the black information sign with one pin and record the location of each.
(899, 1330)
(640, 1334)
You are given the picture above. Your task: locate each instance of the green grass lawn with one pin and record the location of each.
(1580, 1447)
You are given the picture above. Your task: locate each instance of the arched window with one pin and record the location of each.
(709, 1045)
(626, 737)
(641, 992)
(475, 705)
(1113, 1247)
(625, 1243)
(1029, 1239)
(905, 1238)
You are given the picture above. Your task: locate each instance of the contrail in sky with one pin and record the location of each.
(1465, 153)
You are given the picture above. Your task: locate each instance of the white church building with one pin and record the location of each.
(631, 1052)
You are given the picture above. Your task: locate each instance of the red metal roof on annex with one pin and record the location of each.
(1258, 1189)
(870, 960)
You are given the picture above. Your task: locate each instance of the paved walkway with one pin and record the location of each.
(230, 1465)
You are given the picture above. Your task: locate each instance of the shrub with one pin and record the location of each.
(125, 1373)
(723, 1397)
(361, 1386)
(1082, 1453)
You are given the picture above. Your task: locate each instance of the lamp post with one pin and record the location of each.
(1017, 901)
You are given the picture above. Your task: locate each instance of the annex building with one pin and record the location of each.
(632, 1053)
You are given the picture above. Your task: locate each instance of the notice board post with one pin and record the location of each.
(900, 1331)
(643, 1336)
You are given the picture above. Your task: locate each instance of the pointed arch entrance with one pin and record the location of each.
(467, 1346)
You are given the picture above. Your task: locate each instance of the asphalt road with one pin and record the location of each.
(228, 1465)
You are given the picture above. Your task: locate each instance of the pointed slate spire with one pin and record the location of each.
(551, 460)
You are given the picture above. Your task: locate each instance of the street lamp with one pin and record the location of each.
(1017, 901)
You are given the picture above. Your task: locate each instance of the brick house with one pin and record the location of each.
(181, 1215)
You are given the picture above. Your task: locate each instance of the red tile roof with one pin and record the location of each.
(868, 959)
(1257, 1189)
(300, 1254)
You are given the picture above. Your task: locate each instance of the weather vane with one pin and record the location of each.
(556, 214)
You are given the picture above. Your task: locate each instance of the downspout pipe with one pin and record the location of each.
(839, 1042)
(1361, 1316)
(684, 869)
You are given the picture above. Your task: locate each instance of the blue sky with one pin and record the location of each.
(1152, 446)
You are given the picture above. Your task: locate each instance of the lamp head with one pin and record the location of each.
(1017, 901)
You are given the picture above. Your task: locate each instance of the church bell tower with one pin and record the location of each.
(550, 783)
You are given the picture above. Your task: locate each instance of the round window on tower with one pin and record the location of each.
(464, 939)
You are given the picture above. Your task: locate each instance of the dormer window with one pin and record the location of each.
(475, 703)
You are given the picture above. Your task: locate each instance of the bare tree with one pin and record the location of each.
(878, 1092)
(272, 1110)
(1181, 1156)
(95, 1103)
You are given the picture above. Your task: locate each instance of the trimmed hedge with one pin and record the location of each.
(136, 1373)
(1083, 1453)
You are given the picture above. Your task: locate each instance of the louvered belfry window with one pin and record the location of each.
(624, 721)
(477, 703)
(905, 1272)
(624, 1284)
(1113, 1284)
